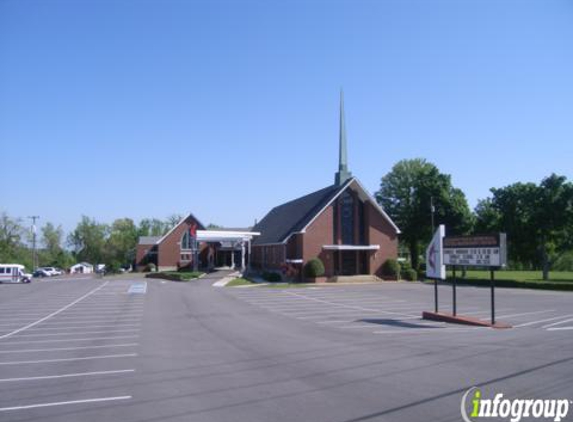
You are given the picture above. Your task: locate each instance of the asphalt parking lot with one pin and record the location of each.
(131, 350)
(60, 336)
(395, 308)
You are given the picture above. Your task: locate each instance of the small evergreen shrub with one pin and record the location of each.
(391, 268)
(314, 268)
(150, 268)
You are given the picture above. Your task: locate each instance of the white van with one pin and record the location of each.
(14, 273)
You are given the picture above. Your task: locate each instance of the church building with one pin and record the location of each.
(341, 224)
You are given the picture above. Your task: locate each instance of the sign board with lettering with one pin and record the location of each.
(488, 250)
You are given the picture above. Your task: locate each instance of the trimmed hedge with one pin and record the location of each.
(314, 268)
(175, 276)
(391, 267)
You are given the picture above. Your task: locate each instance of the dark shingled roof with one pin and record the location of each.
(293, 216)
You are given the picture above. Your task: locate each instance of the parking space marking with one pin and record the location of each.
(64, 403)
(74, 375)
(557, 323)
(139, 287)
(525, 313)
(30, 362)
(342, 305)
(130, 330)
(70, 340)
(53, 313)
(560, 329)
(64, 349)
(541, 321)
(81, 328)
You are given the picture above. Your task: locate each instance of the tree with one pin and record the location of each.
(89, 240)
(53, 253)
(406, 193)
(12, 247)
(120, 246)
(538, 220)
(151, 227)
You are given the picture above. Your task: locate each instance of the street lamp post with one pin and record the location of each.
(34, 254)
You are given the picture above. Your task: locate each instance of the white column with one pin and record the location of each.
(249, 249)
(233, 256)
(243, 255)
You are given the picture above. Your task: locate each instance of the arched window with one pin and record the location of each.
(186, 241)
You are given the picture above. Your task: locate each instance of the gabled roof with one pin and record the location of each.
(148, 240)
(295, 216)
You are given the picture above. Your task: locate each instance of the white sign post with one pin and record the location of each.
(435, 267)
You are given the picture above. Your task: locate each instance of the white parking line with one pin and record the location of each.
(30, 362)
(527, 324)
(343, 306)
(63, 403)
(557, 323)
(77, 374)
(130, 330)
(560, 329)
(63, 349)
(526, 313)
(69, 340)
(53, 313)
(83, 328)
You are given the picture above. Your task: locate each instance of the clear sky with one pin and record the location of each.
(225, 109)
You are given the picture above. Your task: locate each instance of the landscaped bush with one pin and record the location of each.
(314, 268)
(175, 275)
(410, 275)
(150, 268)
(391, 268)
(271, 277)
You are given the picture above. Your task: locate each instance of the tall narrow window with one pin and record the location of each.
(186, 240)
(347, 218)
(361, 223)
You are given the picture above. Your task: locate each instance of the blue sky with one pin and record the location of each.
(227, 108)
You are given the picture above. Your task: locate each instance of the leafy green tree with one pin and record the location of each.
(88, 240)
(53, 254)
(538, 220)
(406, 194)
(12, 246)
(151, 227)
(120, 246)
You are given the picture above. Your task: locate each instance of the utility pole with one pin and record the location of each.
(34, 254)
(432, 210)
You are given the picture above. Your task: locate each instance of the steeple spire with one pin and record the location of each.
(343, 174)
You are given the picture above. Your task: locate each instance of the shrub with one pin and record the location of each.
(391, 268)
(150, 268)
(410, 275)
(314, 268)
(272, 277)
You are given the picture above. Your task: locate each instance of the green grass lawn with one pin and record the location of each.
(532, 276)
(558, 280)
(239, 282)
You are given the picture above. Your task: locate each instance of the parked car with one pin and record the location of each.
(51, 271)
(14, 273)
(41, 273)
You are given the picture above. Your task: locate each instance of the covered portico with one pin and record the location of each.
(351, 259)
(234, 241)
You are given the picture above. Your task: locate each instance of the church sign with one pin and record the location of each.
(488, 250)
